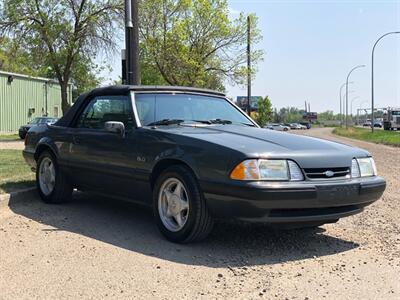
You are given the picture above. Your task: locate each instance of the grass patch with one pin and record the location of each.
(391, 138)
(15, 174)
(9, 137)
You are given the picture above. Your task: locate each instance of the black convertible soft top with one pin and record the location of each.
(67, 119)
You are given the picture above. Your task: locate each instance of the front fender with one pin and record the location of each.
(177, 155)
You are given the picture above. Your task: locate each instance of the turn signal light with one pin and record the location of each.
(246, 170)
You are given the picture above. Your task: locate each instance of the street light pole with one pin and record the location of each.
(344, 102)
(347, 90)
(372, 74)
(340, 99)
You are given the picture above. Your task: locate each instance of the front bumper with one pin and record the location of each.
(22, 132)
(29, 156)
(308, 201)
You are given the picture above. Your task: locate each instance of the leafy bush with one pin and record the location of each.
(264, 114)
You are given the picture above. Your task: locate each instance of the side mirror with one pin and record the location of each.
(115, 127)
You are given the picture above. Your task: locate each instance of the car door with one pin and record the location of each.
(101, 160)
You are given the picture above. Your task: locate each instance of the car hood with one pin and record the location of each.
(254, 142)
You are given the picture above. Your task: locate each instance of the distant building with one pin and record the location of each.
(241, 101)
(23, 98)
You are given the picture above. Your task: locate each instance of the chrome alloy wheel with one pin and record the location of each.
(47, 176)
(173, 204)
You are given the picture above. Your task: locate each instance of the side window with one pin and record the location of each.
(106, 108)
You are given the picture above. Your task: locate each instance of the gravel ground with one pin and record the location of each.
(18, 145)
(93, 248)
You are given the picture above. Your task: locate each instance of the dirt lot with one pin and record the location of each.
(94, 248)
(18, 145)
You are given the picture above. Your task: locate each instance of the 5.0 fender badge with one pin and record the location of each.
(141, 159)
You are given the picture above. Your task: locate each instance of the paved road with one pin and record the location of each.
(93, 248)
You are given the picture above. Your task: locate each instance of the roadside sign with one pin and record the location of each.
(310, 116)
(241, 101)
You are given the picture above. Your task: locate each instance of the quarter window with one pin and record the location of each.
(104, 109)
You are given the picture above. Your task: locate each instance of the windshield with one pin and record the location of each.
(153, 108)
(35, 121)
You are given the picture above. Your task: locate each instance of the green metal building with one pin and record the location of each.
(23, 98)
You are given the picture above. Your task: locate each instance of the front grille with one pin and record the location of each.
(324, 173)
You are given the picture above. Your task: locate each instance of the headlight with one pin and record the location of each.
(273, 169)
(363, 167)
(266, 169)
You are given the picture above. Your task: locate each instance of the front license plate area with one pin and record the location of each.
(340, 194)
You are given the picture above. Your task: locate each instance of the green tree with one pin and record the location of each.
(62, 36)
(194, 43)
(14, 59)
(264, 113)
(328, 116)
(289, 115)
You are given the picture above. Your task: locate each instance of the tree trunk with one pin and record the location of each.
(64, 97)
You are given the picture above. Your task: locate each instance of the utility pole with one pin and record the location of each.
(248, 66)
(305, 106)
(132, 42)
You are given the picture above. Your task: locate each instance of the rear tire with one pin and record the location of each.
(197, 221)
(51, 183)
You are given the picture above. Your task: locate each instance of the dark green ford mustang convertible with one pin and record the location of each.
(195, 157)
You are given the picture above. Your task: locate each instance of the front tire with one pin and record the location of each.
(51, 183)
(179, 207)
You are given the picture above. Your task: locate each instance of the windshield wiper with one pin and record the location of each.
(220, 121)
(223, 122)
(166, 122)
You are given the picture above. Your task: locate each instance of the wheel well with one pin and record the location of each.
(41, 149)
(163, 165)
